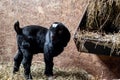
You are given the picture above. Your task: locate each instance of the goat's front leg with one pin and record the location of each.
(48, 65)
(48, 58)
(17, 61)
(27, 59)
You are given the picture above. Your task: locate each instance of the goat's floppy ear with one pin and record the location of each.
(17, 27)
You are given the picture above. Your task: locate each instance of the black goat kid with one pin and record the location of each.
(35, 39)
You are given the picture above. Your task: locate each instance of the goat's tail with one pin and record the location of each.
(17, 28)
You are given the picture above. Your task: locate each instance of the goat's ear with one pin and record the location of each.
(17, 27)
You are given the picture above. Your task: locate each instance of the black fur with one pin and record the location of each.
(35, 39)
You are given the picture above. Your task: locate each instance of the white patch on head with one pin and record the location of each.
(54, 25)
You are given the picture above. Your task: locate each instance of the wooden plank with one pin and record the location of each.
(91, 47)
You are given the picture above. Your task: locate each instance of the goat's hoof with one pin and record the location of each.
(28, 77)
(50, 78)
(15, 70)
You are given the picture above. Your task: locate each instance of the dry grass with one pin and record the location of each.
(102, 12)
(38, 70)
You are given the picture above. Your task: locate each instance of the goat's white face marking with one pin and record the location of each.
(54, 25)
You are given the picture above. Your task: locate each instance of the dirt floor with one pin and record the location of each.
(44, 13)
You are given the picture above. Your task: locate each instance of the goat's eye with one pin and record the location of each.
(60, 32)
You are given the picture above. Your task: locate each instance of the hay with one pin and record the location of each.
(101, 13)
(38, 70)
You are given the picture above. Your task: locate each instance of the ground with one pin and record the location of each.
(44, 13)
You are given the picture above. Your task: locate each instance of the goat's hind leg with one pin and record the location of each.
(17, 61)
(27, 59)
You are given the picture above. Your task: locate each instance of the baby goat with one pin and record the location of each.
(35, 39)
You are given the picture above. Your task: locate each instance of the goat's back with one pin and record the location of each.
(34, 30)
